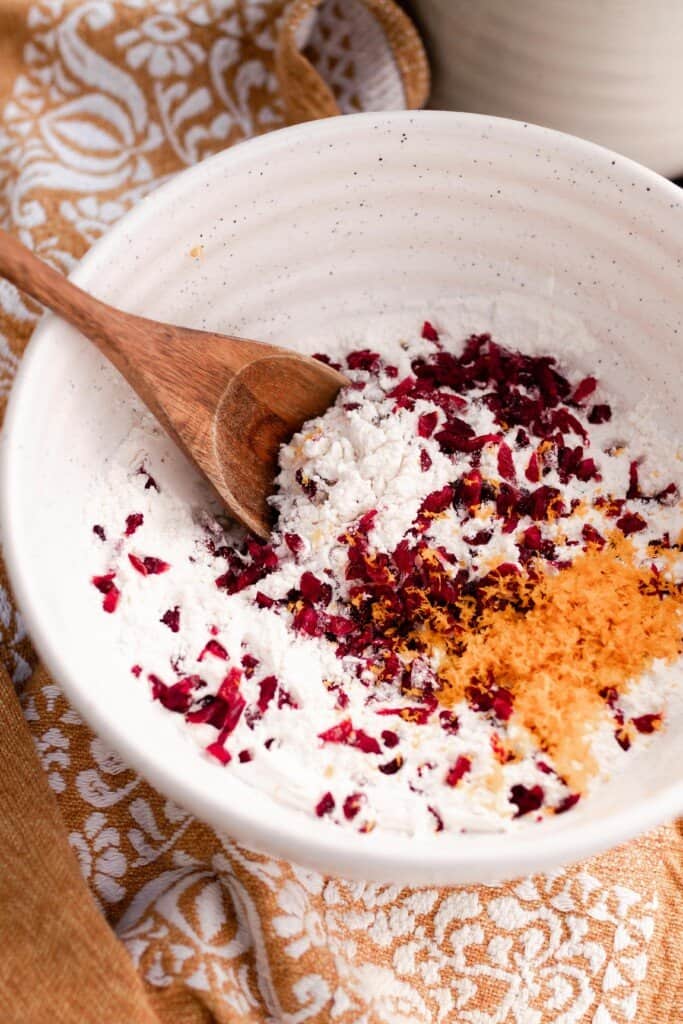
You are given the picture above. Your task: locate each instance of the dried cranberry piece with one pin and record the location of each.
(176, 697)
(323, 358)
(217, 750)
(294, 542)
(343, 732)
(449, 722)
(438, 820)
(479, 538)
(213, 647)
(425, 460)
(148, 566)
(137, 671)
(325, 805)
(587, 470)
(249, 663)
(99, 531)
(630, 523)
(267, 689)
(600, 414)
(391, 767)
(532, 538)
(171, 618)
(426, 423)
(583, 390)
(526, 799)
(567, 803)
(533, 469)
(307, 620)
(245, 756)
(389, 738)
(352, 805)
(623, 739)
(647, 723)
(455, 773)
(363, 359)
(105, 584)
(150, 481)
(314, 590)
(307, 485)
(541, 503)
(633, 482)
(429, 332)
(263, 600)
(506, 465)
(437, 501)
(468, 489)
(591, 535)
(133, 522)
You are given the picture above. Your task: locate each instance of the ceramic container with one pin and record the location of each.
(459, 217)
(610, 71)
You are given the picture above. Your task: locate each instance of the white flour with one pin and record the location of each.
(349, 463)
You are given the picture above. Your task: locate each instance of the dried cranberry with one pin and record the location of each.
(455, 773)
(217, 750)
(171, 618)
(294, 543)
(363, 359)
(600, 414)
(99, 531)
(425, 460)
(148, 566)
(526, 799)
(267, 688)
(352, 805)
(150, 481)
(449, 722)
(307, 485)
(307, 620)
(245, 756)
(630, 523)
(213, 647)
(429, 332)
(583, 390)
(438, 501)
(105, 584)
(591, 536)
(438, 820)
(389, 738)
(323, 358)
(137, 671)
(177, 696)
(263, 600)
(506, 465)
(133, 522)
(325, 805)
(533, 469)
(391, 767)
(647, 723)
(567, 803)
(426, 423)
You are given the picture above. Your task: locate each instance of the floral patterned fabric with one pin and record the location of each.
(101, 102)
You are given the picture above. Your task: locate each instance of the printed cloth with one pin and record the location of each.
(101, 100)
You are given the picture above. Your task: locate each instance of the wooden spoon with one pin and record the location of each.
(229, 403)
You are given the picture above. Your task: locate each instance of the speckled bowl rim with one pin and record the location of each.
(382, 857)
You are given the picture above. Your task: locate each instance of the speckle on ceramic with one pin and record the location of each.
(491, 224)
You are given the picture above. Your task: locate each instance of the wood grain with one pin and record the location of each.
(227, 402)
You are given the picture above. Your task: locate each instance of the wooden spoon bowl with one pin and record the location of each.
(228, 403)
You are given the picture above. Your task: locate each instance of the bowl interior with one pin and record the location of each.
(366, 220)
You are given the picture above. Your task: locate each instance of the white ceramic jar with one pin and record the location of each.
(607, 70)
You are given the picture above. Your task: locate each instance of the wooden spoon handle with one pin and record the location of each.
(95, 319)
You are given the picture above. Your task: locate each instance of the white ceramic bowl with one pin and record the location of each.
(345, 219)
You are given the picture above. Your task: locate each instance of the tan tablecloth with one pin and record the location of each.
(101, 101)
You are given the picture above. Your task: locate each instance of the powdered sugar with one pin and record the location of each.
(365, 457)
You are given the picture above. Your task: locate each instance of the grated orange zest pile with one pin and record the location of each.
(563, 640)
